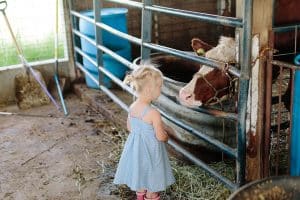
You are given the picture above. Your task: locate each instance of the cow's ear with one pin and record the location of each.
(195, 44)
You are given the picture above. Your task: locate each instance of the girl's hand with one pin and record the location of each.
(169, 130)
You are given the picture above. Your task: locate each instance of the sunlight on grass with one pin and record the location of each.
(40, 50)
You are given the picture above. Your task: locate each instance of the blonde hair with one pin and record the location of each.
(143, 75)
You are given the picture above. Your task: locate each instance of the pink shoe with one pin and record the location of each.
(155, 198)
(140, 195)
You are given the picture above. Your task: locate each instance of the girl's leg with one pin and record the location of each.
(152, 195)
(140, 194)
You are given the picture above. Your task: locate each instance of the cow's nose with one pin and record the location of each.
(185, 95)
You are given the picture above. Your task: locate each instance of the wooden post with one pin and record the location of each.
(262, 24)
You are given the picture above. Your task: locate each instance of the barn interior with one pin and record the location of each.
(63, 105)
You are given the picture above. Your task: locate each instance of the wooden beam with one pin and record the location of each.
(262, 24)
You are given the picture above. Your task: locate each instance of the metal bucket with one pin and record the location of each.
(279, 188)
(178, 73)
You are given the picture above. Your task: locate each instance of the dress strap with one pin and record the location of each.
(145, 111)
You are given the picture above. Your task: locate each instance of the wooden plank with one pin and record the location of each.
(262, 24)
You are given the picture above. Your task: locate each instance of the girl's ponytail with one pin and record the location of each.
(141, 76)
(128, 79)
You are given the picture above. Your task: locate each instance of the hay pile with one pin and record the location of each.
(191, 182)
(28, 91)
(272, 193)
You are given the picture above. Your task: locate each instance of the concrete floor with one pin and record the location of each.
(56, 158)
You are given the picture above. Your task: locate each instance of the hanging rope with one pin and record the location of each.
(215, 99)
(262, 54)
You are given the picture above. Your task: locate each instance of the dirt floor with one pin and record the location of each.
(54, 157)
(45, 155)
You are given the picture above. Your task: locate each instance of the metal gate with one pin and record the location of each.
(243, 73)
(279, 105)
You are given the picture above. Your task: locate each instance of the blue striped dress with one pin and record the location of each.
(144, 163)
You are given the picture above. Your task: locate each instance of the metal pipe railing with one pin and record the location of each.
(215, 19)
(216, 113)
(202, 60)
(127, 63)
(106, 50)
(286, 28)
(97, 5)
(285, 65)
(245, 60)
(212, 112)
(200, 163)
(146, 29)
(103, 88)
(106, 72)
(225, 148)
(134, 4)
(188, 56)
(176, 146)
(243, 74)
(126, 36)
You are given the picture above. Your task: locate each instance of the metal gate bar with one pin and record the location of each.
(125, 107)
(200, 59)
(225, 148)
(245, 60)
(268, 106)
(215, 19)
(293, 68)
(244, 76)
(286, 28)
(213, 112)
(177, 147)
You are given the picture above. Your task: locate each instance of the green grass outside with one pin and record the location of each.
(33, 51)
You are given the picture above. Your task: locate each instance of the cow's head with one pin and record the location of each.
(206, 89)
(210, 84)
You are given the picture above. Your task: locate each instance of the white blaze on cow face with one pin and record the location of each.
(225, 51)
(186, 94)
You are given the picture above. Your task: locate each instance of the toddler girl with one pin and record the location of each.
(144, 164)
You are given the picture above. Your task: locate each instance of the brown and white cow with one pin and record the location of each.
(200, 91)
(212, 84)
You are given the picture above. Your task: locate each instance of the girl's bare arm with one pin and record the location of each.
(158, 125)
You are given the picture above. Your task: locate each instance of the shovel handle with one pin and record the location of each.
(3, 5)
